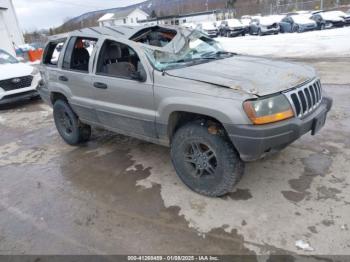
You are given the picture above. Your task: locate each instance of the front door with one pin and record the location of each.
(123, 90)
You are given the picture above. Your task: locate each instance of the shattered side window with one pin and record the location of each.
(53, 52)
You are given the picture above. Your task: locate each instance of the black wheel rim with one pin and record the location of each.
(65, 121)
(200, 160)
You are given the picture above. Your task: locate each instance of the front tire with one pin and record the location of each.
(207, 163)
(296, 29)
(68, 124)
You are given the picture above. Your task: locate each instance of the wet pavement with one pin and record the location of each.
(119, 195)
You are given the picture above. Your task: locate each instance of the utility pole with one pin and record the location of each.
(321, 5)
(271, 8)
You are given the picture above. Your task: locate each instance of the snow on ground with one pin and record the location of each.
(315, 44)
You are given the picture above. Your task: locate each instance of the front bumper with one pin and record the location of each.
(7, 97)
(337, 23)
(254, 142)
(237, 32)
(270, 31)
(212, 34)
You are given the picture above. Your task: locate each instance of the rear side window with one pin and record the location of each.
(52, 52)
(78, 54)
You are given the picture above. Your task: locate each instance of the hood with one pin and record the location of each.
(303, 20)
(208, 26)
(332, 17)
(267, 21)
(253, 75)
(8, 71)
(234, 23)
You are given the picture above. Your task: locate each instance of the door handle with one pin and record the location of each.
(63, 78)
(100, 85)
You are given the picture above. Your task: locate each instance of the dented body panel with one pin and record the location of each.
(254, 75)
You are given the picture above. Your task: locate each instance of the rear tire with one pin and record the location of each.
(68, 124)
(207, 163)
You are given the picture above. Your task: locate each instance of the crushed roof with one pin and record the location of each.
(122, 31)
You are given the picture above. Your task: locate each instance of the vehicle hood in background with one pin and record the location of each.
(253, 75)
(234, 23)
(8, 71)
(268, 21)
(332, 17)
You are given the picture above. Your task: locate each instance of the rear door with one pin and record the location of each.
(124, 101)
(286, 25)
(76, 75)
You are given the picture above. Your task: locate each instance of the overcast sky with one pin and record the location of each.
(38, 14)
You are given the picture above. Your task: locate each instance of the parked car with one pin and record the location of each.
(327, 20)
(246, 20)
(297, 23)
(17, 80)
(208, 28)
(232, 28)
(203, 102)
(264, 26)
(341, 14)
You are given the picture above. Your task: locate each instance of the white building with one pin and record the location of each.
(10, 32)
(123, 17)
(208, 16)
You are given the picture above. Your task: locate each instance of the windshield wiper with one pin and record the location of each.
(215, 55)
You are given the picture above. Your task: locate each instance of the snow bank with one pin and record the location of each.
(315, 44)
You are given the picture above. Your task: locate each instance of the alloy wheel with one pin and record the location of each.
(200, 159)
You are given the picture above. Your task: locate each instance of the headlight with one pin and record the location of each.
(268, 110)
(35, 71)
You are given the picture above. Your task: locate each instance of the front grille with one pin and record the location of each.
(305, 99)
(16, 83)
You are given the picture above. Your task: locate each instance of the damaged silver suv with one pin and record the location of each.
(179, 88)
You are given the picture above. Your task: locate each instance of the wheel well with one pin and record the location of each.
(180, 118)
(57, 96)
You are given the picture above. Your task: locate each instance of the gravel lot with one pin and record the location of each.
(118, 195)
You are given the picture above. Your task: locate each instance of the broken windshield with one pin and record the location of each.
(197, 48)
